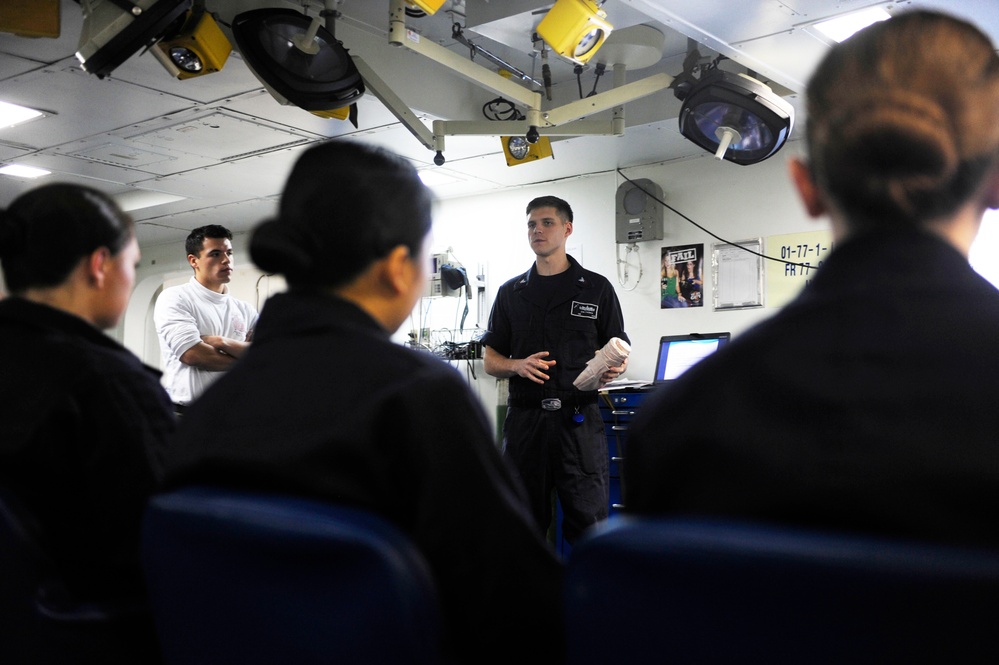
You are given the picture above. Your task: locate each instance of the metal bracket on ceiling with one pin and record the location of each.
(566, 120)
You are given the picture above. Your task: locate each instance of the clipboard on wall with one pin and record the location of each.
(737, 272)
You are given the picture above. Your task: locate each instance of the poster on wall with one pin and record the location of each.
(682, 280)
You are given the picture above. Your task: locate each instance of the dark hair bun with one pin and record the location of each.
(278, 248)
(895, 151)
(903, 119)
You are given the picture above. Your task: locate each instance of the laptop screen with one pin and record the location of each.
(677, 353)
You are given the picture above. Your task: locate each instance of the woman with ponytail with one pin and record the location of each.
(868, 402)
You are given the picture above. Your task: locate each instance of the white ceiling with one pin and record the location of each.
(224, 145)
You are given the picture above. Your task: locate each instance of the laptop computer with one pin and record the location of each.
(677, 353)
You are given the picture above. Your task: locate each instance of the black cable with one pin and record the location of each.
(599, 72)
(501, 109)
(713, 235)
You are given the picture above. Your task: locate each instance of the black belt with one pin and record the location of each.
(552, 403)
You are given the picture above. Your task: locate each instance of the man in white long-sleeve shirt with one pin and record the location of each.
(201, 328)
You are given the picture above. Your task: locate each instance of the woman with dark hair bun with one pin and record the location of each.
(84, 421)
(867, 403)
(902, 129)
(369, 422)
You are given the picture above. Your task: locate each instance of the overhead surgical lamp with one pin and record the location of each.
(575, 29)
(735, 116)
(113, 30)
(297, 59)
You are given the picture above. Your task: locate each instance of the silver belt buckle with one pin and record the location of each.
(551, 404)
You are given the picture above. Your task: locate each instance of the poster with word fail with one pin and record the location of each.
(681, 277)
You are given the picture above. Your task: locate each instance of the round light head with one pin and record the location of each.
(518, 146)
(736, 117)
(319, 78)
(588, 43)
(521, 150)
(186, 59)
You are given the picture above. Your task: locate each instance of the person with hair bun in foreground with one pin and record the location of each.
(84, 421)
(369, 422)
(867, 404)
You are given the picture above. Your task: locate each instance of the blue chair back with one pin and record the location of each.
(659, 590)
(247, 578)
(41, 621)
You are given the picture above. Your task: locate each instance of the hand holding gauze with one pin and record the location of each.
(612, 354)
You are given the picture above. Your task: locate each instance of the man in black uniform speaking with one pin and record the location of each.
(544, 327)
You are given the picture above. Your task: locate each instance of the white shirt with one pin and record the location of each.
(183, 314)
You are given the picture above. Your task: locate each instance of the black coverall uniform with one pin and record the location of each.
(563, 448)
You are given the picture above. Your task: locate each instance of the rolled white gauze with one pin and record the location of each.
(612, 354)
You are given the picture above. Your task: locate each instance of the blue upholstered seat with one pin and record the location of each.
(658, 590)
(241, 577)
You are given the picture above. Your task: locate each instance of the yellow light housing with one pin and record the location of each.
(429, 6)
(335, 114)
(575, 29)
(519, 151)
(199, 48)
(30, 18)
(343, 113)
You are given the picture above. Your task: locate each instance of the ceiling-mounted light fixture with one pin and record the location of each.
(575, 29)
(436, 177)
(735, 116)
(198, 48)
(297, 59)
(519, 150)
(426, 7)
(139, 199)
(15, 114)
(113, 30)
(842, 27)
(737, 111)
(22, 171)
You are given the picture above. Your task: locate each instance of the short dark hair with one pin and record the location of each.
(344, 206)
(562, 208)
(196, 239)
(47, 230)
